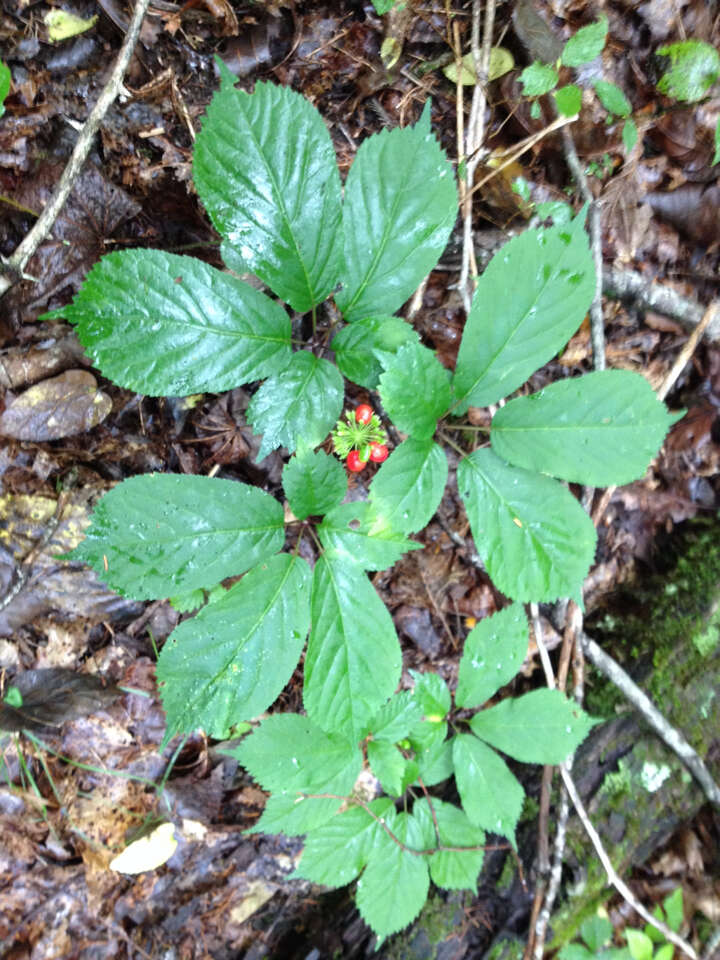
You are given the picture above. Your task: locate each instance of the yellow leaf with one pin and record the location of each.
(148, 853)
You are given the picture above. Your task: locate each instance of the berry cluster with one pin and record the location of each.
(360, 438)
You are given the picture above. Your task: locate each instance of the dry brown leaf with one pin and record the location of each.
(62, 406)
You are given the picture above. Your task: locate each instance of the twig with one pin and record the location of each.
(671, 737)
(668, 383)
(629, 285)
(615, 880)
(712, 945)
(597, 323)
(15, 265)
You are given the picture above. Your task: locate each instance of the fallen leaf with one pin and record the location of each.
(62, 406)
(52, 696)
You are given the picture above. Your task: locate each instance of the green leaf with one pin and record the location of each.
(395, 719)
(694, 68)
(560, 213)
(600, 429)
(348, 536)
(716, 155)
(383, 6)
(596, 931)
(409, 486)
(587, 44)
(640, 944)
(400, 206)
(435, 760)
(501, 62)
(336, 852)
(394, 885)
(538, 79)
(568, 100)
(576, 951)
(302, 403)
(494, 652)
(452, 869)
(535, 539)
(362, 346)
(673, 905)
(353, 660)
(313, 483)
(165, 534)
(432, 693)
(388, 765)
(5, 82)
(290, 756)
(612, 98)
(629, 135)
(415, 390)
(265, 169)
(539, 727)
(490, 794)
(232, 660)
(531, 298)
(166, 325)
(665, 952)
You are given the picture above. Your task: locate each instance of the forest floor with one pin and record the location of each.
(89, 769)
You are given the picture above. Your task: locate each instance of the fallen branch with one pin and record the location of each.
(14, 266)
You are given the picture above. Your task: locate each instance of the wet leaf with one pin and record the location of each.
(60, 407)
(52, 696)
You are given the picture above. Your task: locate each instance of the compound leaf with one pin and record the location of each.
(388, 765)
(265, 169)
(165, 534)
(313, 483)
(167, 325)
(347, 534)
(415, 390)
(494, 652)
(600, 429)
(408, 487)
(336, 852)
(394, 885)
(491, 795)
(400, 206)
(232, 660)
(363, 345)
(452, 869)
(395, 719)
(535, 539)
(539, 727)
(529, 301)
(301, 403)
(353, 660)
(432, 693)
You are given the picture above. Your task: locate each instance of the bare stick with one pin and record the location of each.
(15, 265)
(671, 737)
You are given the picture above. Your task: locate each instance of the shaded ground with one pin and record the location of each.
(68, 801)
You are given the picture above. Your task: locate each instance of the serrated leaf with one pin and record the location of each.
(165, 534)
(232, 660)
(587, 44)
(494, 652)
(415, 390)
(600, 429)
(361, 346)
(348, 536)
(452, 869)
(353, 660)
(435, 759)
(294, 816)
(394, 886)
(302, 403)
(612, 98)
(538, 727)
(433, 695)
(265, 169)
(694, 67)
(396, 718)
(535, 539)
(538, 79)
(409, 486)
(400, 206)
(336, 852)
(388, 765)
(167, 325)
(568, 100)
(491, 795)
(529, 301)
(313, 483)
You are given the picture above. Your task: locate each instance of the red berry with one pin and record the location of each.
(363, 413)
(354, 462)
(378, 452)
